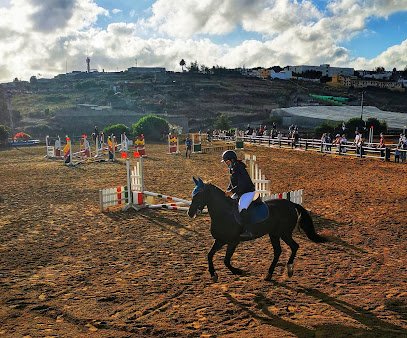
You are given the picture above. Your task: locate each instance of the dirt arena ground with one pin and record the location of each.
(68, 270)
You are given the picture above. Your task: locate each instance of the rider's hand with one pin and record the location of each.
(228, 193)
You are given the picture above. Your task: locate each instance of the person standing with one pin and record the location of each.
(188, 147)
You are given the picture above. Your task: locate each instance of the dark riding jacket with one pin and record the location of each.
(240, 181)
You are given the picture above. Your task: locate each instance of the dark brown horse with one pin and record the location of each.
(283, 216)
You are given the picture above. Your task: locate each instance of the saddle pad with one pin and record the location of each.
(258, 212)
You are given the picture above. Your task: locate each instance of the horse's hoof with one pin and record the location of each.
(214, 277)
(290, 270)
(268, 278)
(237, 271)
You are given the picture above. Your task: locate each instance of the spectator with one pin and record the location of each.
(273, 130)
(357, 141)
(397, 155)
(328, 141)
(188, 147)
(323, 140)
(296, 138)
(344, 141)
(403, 147)
(249, 130)
(209, 135)
(338, 142)
(95, 134)
(381, 145)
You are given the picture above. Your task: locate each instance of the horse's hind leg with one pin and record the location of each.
(294, 247)
(275, 241)
(215, 247)
(229, 253)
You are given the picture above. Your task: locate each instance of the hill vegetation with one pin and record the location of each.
(201, 98)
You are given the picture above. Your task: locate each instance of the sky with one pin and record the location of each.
(44, 38)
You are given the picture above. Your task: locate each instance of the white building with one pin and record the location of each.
(325, 69)
(283, 75)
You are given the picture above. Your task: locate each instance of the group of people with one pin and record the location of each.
(262, 130)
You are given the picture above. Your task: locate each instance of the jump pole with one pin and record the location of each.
(132, 195)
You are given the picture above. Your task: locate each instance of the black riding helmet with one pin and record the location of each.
(229, 155)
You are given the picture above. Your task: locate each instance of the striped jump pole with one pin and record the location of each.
(133, 195)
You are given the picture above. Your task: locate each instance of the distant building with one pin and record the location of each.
(146, 70)
(355, 82)
(283, 75)
(366, 74)
(251, 72)
(325, 69)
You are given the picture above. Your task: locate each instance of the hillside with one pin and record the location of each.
(198, 97)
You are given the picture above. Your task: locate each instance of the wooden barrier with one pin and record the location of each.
(134, 196)
(371, 150)
(262, 185)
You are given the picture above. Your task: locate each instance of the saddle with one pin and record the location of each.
(257, 212)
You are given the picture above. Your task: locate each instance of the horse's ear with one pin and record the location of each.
(200, 181)
(195, 180)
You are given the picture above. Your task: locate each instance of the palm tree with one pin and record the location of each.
(182, 64)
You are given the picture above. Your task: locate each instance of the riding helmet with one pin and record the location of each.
(229, 155)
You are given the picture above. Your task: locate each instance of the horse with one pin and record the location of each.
(279, 223)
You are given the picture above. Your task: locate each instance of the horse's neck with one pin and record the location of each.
(218, 203)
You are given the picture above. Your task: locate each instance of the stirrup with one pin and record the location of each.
(247, 235)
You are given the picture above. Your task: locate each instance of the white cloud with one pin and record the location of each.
(116, 11)
(395, 56)
(294, 32)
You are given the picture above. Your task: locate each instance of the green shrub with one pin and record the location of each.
(328, 127)
(117, 130)
(153, 127)
(222, 122)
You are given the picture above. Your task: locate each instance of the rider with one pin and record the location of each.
(240, 184)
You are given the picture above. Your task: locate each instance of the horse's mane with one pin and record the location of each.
(217, 191)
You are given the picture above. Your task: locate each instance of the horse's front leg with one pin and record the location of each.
(215, 247)
(229, 253)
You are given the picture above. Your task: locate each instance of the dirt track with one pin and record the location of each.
(68, 270)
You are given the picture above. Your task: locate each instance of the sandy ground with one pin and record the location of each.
(68, 270)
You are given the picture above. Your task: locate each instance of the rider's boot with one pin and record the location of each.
(246, 235)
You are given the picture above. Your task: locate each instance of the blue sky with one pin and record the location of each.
(45, 36)
(380, 34)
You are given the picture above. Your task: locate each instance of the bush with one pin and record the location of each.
(378, 126)
(153, 127)
(222, 122)
(116, 130)
(326, 127)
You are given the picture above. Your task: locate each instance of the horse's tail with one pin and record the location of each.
(306, 224)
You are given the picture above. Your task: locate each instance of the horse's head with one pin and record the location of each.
(198, 198)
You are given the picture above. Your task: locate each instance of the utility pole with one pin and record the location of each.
(361, 104)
